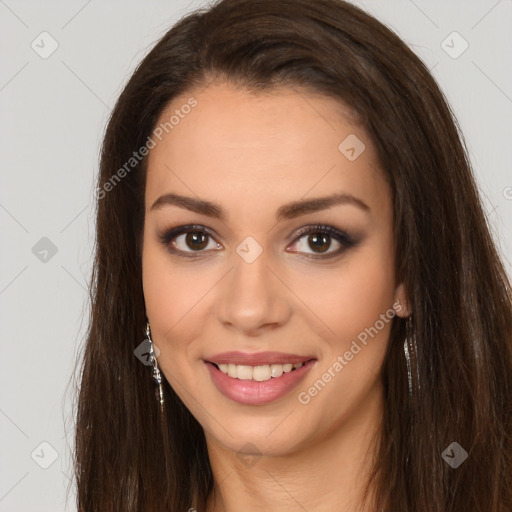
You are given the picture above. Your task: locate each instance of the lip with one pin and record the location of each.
(252, 392)
(257, 359)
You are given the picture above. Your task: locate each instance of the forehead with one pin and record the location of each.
(285, 143)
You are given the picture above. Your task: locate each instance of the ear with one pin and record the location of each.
(401, 305)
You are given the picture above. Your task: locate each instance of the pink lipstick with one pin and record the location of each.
(259, 378)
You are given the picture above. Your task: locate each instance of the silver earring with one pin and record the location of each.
(411, 352)
(157, 376)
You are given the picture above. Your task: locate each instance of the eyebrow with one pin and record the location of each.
(287, 211)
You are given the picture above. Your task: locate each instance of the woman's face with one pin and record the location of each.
(251, 281)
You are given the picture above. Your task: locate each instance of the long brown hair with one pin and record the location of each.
(131, 458)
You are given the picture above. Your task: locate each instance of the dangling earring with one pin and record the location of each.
(411, 357)
(157, 376)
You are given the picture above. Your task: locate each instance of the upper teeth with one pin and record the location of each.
(259, 373)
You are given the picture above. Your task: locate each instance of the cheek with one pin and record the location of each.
(164, 292)
(155, 282)
(175, 298)
(351, 297)
(170, 290)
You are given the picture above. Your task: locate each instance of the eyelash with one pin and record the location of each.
(343, 238)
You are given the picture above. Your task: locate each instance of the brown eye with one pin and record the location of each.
(316, 241)
(319, 242)
(196, 240)
(188, 241)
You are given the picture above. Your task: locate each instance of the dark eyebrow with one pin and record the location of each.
(287, 211)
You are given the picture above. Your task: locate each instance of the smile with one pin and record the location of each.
(257, 383)
(259, 373)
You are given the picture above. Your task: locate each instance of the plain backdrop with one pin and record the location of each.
(63, 64)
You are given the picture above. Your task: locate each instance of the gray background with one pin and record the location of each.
(53, 112)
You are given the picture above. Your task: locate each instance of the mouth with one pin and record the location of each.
(259, 373)
(261, 382)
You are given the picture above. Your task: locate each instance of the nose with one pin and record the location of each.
(252, 299)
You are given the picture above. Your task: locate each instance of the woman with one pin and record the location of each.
(289, 233)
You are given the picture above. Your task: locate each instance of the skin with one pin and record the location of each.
(251, 154)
